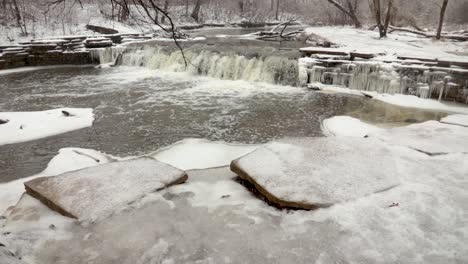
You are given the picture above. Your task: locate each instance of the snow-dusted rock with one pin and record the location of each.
(190, 154)
(26, 126)
(68, 159)
(431, 137)
(318, 172)
(95, 193)
(347, 126)
(461, 120)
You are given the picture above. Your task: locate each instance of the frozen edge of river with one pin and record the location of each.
(432, 191)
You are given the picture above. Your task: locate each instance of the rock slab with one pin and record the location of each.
(97, 192)
(309, 173)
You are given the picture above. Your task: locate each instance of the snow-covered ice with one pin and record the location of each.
(430, 137)
(94, 193)
(347, 126)
(403, 100)
(26, 126)
(318, 172)
(190, 154)
(212, 218)
(68, 159)
(461, 120)
(416, 102)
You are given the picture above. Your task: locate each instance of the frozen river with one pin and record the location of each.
(139, 110)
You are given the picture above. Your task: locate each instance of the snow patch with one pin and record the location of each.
(347, 126)
(190, 154)
(461, 120)
(26, 126)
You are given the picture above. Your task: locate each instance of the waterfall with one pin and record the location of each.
(228, 66)
(107, 55)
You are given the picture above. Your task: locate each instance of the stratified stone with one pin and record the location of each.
(308, 173)
(95, 193)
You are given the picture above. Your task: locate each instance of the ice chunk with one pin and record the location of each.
(26, 126)
(94, 193)
(347, 126)
(461, 120)
(431, 137)
(6, 257)
(318, 172)
(30, 222)
(190, 154)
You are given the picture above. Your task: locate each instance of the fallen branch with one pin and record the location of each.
(429, 35)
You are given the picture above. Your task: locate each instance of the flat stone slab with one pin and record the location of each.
(95, 193)
(430, 137)
(459, 120)
(307, 173)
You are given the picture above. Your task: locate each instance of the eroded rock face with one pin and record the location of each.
(307, 173)
(95, 193)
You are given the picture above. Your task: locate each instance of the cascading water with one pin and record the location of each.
(107, 55)
(220, 65)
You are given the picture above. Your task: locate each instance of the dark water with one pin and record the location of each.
(140, 110)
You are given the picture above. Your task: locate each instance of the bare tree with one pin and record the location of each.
(166, 5)
(441, 20)
(196, 11)
(382, 22)
(350, 10)
(277, 9)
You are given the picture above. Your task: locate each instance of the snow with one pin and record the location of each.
(94, 193)
(28, 69)
(190, 154)
(431, 137)
(192, 223)
(321, 171)
(396, 44)
(199, 39)
(31, 221)
(398, 99)
(347, 126)
(416, 102)
(461, 120)
(26, 126)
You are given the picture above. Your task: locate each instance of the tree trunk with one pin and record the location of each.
(441, 20)
(19, 19)
(382, 25)
(196, 11)
(350, 11)
(277, 9)
(166, 6)
(186, 7)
